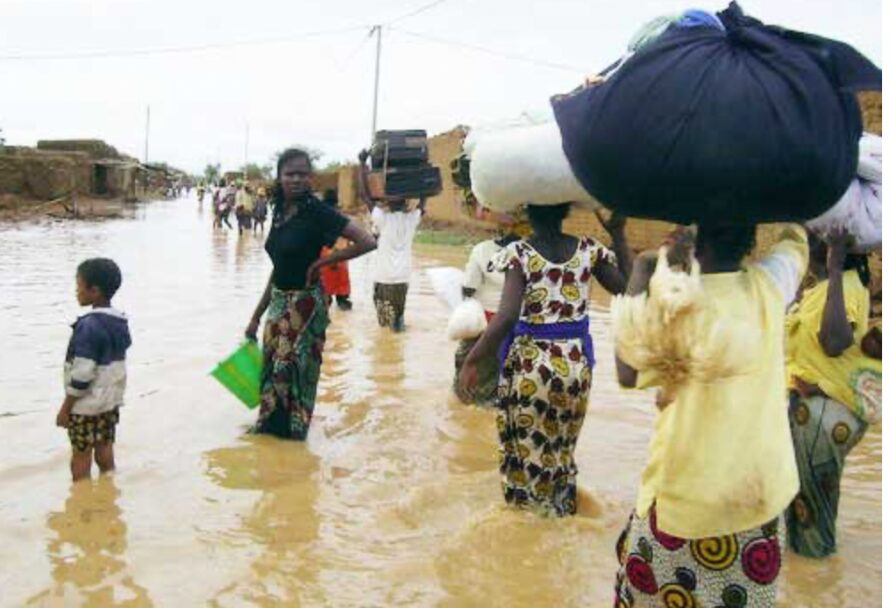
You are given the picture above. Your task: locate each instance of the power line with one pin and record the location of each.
(197, 48)
(505, 55)
(416, 12)
(107, 54)
(366, 36)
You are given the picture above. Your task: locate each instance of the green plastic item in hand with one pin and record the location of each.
(240, 373)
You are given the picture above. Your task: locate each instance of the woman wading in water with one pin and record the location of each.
(546, 356)
(296, 306)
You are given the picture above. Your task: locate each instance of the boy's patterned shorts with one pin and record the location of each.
(85, 432)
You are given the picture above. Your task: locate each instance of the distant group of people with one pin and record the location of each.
(251, 207)
(741, 455)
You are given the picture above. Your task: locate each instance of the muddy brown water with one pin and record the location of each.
(394, 499)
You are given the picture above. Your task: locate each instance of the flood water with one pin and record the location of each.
(393, 501)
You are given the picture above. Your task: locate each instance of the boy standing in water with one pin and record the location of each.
(95, 370)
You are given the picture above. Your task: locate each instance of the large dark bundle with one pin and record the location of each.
(746, 124)
(399, 148)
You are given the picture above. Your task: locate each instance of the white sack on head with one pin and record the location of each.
(468, 321)
(522, 164)
(859, 210)
(447, 284)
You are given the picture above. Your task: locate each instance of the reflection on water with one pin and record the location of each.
(282, 524)
(393, 501)
(87, 550)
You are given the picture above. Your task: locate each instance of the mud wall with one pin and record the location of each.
(94, 148)
(44, 175)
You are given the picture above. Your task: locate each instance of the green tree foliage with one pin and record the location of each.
(212, 173)
(257, 172)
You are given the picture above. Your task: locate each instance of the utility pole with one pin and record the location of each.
(377, 78)
(148, 118)
(247, 138)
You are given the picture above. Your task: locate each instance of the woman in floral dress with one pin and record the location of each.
(546, 355)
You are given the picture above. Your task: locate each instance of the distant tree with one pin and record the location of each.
(257, 172)
(2, 139)
(212, 173)
(334, 165)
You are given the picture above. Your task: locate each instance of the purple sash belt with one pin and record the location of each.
(551, 331)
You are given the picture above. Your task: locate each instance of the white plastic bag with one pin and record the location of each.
(518, 165)
(468, 321)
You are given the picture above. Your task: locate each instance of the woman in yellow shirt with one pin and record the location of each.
(707, 528)
(835, 384)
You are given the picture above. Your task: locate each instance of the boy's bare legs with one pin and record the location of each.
(105, 457)
(81, 463)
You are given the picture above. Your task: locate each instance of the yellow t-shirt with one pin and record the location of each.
(852, 379)
(721, 459)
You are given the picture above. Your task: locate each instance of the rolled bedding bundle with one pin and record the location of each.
(522, 163)
(859, 211)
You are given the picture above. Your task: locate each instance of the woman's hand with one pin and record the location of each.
(314, 271)
(614, 224)
(251, 331)
(467, 382)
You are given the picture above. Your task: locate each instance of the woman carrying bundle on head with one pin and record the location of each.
(834, 367)
(296, 306)
(546, 355)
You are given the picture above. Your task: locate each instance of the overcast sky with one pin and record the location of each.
(290, 87)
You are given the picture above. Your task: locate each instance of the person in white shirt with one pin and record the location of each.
(485, 284)
(395, 224)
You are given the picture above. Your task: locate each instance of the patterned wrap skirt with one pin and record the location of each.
(542, 401)
(293, 343)
(824, 431)
(657, 569)
(389, 301)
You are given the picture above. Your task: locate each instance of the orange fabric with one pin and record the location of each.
(335, 278)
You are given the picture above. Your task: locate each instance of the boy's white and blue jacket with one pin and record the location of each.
(95, 364)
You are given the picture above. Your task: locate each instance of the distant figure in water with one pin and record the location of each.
(336, 277)
(244, 208)
(546, 355)
(296, 307)
(95, 370)
(261, 210)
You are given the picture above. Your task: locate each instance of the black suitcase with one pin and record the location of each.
(413, 182)
(399, 148)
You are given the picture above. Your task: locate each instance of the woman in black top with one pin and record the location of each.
(296, 306)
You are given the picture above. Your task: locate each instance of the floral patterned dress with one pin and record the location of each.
(544, 384)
